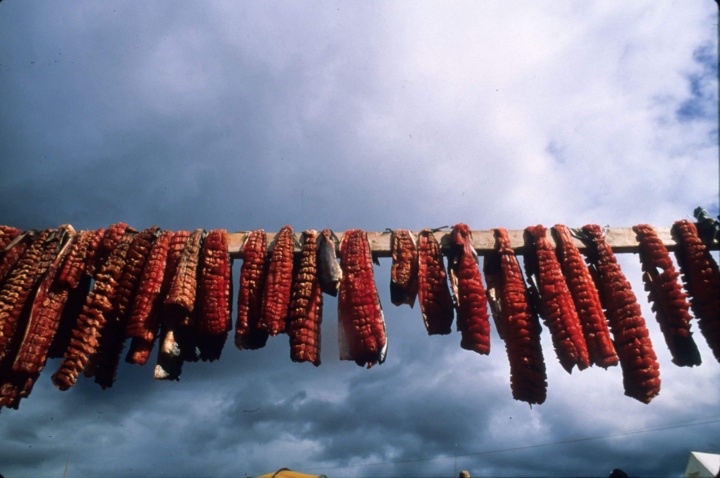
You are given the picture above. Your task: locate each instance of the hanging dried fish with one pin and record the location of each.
(143, 323)
(93, 318)
(95, 253)
(179, 311)
(102, 246)
(47, 306)
(702, 281)
(668, 300)
(433, 292)
(13, 251)
(404, 271)
(519, 324)
(361, 326)
(555, 302)
(276, 293)
(183, 289)
(305, 314)
(75, 263)
(68, 318)
(601, 350)
(22, 367)
(641, 371)
(329, 271)
(20, 284)
(252, 283)
(169, 359)
(469, 294)
(214, 292)
(7, 234)
(112, 340)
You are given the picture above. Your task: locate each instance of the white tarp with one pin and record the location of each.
(702, 465)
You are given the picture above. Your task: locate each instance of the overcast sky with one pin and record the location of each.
(400, 114)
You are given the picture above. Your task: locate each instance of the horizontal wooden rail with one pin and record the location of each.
(620, 239)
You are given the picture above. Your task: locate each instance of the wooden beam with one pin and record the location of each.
(622, 240)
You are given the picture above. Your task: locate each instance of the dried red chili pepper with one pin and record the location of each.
(361, 326)
(702, 281)
(276, 293)
(668, 300)
(586, 299)
(555, 303)
(517, 320)
(252, 282)
(305, 313)
(469, 294)
(433, 292)
(641, 371)
(404, 270)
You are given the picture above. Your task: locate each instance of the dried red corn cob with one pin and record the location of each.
(20, 284)
(517, 320)
(555, 302)
(252, 283)
(433, 292)
(47, 307)
(92, 320)
(668, 300)
(329, 270)
(586, 298)
(112, 341)
(276, 294)
(404, 271)
(215, 290)
(641, 371)
(473, 320)
(702, 281)
(169, 359)
(305, 313)
(76, 260)
(361, 327)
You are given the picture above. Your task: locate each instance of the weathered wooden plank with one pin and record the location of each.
(622, 240)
